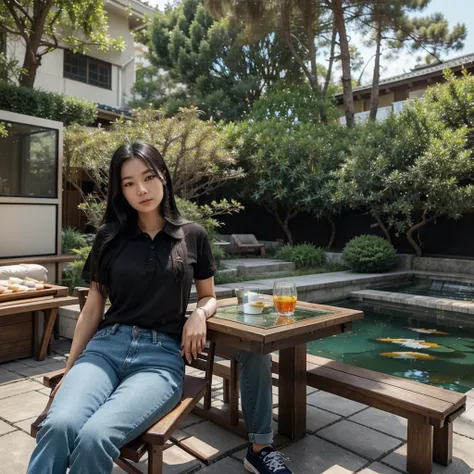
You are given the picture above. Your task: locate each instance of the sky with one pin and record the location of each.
(455, 11)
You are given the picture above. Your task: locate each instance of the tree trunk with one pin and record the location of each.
(287, 231)
(273, 210)
(410, 238)
(32, 59)
(374, 95)
(383, 227)
(31, 64)
(414, 228)
(333, 232)
(331, 60)
(339, 20)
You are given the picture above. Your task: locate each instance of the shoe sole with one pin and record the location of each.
(249, 467)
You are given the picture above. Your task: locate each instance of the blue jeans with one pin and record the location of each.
(256, 395)
(125, 380)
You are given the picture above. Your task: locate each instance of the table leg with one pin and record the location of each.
(49, 320)
(35, 333)
(292, 392)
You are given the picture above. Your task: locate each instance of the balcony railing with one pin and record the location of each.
(382, 112)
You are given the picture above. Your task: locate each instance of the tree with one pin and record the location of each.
(289, 166)
(390, 26)
(45, 25)
(377, 151)
(408, 171)
(432, 34)
(220, 71)
(195, 151)
(151, 87)
(308, 28)
(452, 103)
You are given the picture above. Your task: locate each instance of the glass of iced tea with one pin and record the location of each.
(284, 297)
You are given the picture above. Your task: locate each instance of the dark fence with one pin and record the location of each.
(441, 237)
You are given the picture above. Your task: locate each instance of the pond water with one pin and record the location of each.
(409, 345)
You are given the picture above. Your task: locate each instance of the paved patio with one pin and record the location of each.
(343, 436)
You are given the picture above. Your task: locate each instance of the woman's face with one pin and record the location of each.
(141, 186)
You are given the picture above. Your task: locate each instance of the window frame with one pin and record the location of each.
(88, 60)
(21, 164)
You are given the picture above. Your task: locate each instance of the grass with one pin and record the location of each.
(223, 279)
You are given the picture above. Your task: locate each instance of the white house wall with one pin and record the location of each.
(49, 76)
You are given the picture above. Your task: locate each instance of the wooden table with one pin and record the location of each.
(22, 315)
(288, 338)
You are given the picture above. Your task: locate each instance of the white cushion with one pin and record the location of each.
(22, 270)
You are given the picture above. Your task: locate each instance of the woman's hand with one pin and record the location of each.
(194, 335)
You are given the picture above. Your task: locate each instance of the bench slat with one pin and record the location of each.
(418, 403)
(386, 379)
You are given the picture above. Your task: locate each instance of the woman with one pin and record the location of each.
(126, 372)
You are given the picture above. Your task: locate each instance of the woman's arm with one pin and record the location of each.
(86, 326)
(87, 323)
(195, 330)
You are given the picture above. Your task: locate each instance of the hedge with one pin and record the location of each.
(47, 105)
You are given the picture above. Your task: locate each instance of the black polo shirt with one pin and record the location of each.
(143, 291)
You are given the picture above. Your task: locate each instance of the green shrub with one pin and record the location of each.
(285, 253)
(303, 255)
(72, 239)
(218, 254)
(72, 276)
(369, 254)
(48, 105)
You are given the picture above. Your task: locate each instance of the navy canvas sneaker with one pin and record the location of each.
(267, 461)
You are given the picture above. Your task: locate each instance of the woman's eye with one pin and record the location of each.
(150, 177)
(127, 185)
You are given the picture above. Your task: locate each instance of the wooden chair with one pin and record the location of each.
(153, 440)
(248, 243)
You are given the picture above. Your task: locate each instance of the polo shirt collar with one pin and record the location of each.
(176, 232)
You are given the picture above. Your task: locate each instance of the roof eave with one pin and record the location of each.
(408, 80)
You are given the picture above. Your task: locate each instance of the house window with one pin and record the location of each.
(29, 161)
(86, 69)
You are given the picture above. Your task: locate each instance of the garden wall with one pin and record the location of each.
(445, 237)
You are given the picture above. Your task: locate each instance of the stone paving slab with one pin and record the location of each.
(175, 461)
(25, 425)
(406, 299)
(314, 455)
(16, 388)
(377, 468)
(323, 280)
(463, 458)
(28, 371)
(5, 428)
(22, 406)
(219, 440)
(464, 425)
(8, 376)
(48, 361)
(15, 452)
(360, 439)
(387, 423)
(334, 403)
(227, 465)
(316, 419)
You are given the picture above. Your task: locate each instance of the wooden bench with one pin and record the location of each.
(248, 243)
(430, 411)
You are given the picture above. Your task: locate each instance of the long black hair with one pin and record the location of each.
(120, 216)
